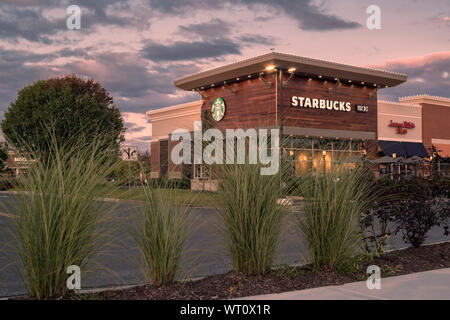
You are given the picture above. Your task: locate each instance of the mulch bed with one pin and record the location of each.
(232, 285)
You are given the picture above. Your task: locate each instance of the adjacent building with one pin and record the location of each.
(435, 121)
(400, 130)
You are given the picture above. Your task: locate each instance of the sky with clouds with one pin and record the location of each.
(137, 48)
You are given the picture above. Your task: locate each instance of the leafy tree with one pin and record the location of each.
(62, 107)
(3, 156)
(144, 162)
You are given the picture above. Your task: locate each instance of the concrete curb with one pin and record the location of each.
(13, 192)
(124, 287)
(108, 288)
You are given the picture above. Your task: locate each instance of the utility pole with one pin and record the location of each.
(129, 175)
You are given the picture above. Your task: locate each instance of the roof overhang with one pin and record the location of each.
(171, 112)
(304, 66)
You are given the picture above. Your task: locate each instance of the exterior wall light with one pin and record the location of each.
(270, 68)
(267, 83)
(292, 70)
(394, 155)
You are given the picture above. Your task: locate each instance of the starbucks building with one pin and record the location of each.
(327, 112)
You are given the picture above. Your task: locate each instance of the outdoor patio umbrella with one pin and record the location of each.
(414, 160)
(385, 159)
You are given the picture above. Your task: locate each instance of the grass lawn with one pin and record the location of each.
(184, 197)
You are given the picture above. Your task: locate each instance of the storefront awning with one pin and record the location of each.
(403, 149)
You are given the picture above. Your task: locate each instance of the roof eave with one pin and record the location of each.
(303, 66)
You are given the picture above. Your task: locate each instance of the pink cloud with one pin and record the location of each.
(414, 62)
(426, 74)
(139, 129)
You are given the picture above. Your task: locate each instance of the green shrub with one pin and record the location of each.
(378, 223)
(412, 206)
(251, 218)
(59, 222)
(333, 203)
(3, 156)
(183, 183)
(440, 187)
(7, 183)
(415, 217)
(160, 233)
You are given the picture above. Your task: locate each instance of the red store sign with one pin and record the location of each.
(402, 127)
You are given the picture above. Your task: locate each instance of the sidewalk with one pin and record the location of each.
(430, 285)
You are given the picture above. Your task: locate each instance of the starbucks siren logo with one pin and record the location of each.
(218, 109)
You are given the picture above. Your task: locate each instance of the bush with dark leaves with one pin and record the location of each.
(409, 206)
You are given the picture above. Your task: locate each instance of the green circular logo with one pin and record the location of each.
(218, 109)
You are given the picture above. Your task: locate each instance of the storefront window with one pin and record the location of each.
(323, 144)
(355, 145)
(302, 161)
(322, 162)
(301, 143)
(202, 171)
(342, 156)
(319, 155)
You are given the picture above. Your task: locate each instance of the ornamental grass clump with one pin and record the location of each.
(59, 222)
(251, 216)
(160, 232)
(332, 205)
